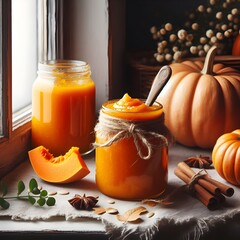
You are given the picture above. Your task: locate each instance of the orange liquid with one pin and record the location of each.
(121, 173)
(63, 115)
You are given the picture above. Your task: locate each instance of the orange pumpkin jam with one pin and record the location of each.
(63, 107)
(125, 169)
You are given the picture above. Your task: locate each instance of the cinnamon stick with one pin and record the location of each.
(202, 181)
(226, 190)
(209, 191)
(220, 198)
(207, 182)
(203, 195)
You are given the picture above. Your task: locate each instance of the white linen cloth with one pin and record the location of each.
(188, 216)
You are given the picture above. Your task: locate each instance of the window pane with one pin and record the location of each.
(24, 51)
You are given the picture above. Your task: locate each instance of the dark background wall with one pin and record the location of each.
(141, 15)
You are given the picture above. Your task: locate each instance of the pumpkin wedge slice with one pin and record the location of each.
(62, 169)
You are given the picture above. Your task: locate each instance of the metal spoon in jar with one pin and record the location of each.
(158, 84)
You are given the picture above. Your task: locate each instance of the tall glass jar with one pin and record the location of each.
(131, 149)
(63, 106)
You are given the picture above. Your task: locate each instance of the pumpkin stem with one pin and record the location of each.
(208, 63)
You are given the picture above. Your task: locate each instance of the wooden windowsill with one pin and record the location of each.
(56, 228)
(185, 216)
(14, 150)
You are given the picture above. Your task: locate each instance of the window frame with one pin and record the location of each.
(16, 140)
(6, 67)
(16, 143)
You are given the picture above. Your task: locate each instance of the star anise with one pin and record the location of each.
(83, 202)
(199, 162)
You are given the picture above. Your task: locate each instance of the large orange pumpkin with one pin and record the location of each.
(226, 156)
(201, 101)
(236, 46)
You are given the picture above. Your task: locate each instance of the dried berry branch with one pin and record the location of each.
(216, 23)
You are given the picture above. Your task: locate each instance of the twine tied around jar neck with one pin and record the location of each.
(115, 129)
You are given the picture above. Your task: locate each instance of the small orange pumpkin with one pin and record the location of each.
(201, 101)
(236, 46)
(226, 157)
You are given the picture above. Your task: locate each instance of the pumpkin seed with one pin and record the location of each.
(150, 214)
(99, 210)
(52, 193)
(111, 210)
(63, 192)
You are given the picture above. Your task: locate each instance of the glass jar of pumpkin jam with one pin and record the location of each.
(63, 106)
(131, 149)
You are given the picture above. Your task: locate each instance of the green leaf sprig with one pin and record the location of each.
(35, 195)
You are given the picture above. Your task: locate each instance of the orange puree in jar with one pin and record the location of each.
(121, 171)
(63, 107)
(127, 106)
